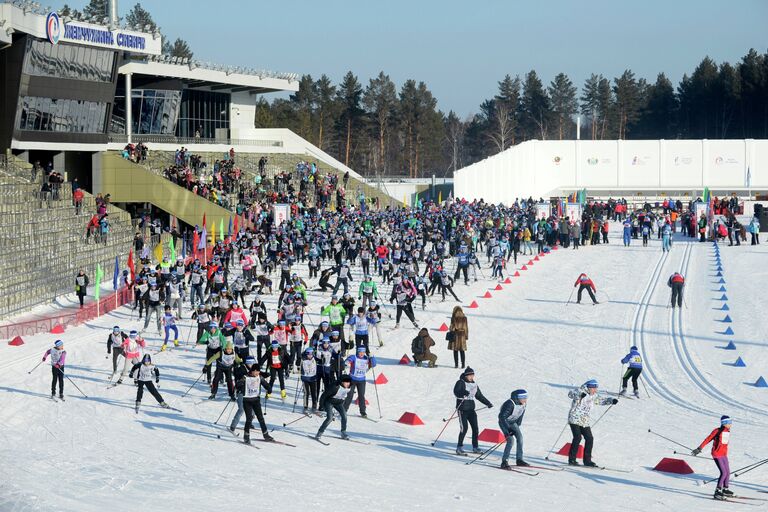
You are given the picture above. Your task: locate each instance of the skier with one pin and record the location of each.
(115, 342)
(225, 359)
(146, 370)
(583, 399)
(169, 324)
(374, 318)
(309, 378)
(627, 232)
(404, 293)
(240, 372)
(635, 369)
(58, 359)
(466, 392)
(585, 283)
(276, 358)
(132, 350)
(251, 385)
(153, 297)
(720, 438)
(333, 398)
(676, 281)
(358, 364)
(367, 291)
(213, 338)
(361, 322)
(510, 419)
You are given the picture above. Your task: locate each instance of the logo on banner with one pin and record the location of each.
(683, 160)
(53, 27)
(592, 161)
(556, 160)
(720, 160)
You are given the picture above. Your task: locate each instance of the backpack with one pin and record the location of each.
(417, 345)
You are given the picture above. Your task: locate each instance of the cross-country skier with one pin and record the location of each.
(252, 383)
(466, 392)
(585, 283)
(720, 437)
(225, 359)
(583, 399)
(115, 342)
(240, 372)
(309, 378)
(358, 364)
(146, 372)
(58, 359)
(635, 361)
(367, 290)
(214, 339)
(276, 358)
(676, 281)
(510, 419)
(333, 399)
(169, 324)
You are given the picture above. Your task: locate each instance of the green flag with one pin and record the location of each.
(221, 229)
(172, 249)
(99, 275)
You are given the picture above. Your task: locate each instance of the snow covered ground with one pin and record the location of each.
(97, 454)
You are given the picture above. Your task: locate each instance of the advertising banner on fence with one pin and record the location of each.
(281, 212)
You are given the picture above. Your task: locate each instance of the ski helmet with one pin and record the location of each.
(147, 359)
(725, 420)
(592, 384)
(58, 343)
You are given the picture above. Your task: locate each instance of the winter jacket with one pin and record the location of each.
(132, 348)
(115, 341)
(510, 414)
(336, 394)
(581, 407)
(469, 392)
(719, 437)
(583, 280)
(460, 329)
(634, 359)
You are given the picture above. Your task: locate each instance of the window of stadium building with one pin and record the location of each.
(202, 113)
(154, 111)
(60, 115)
(68, 61)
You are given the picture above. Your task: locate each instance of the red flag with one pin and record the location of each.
(237, 218)
(130, 266)
(203, 219)
(195, 243)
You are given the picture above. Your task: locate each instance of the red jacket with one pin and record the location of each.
(382, 251)
(719, 437)
(584, 281)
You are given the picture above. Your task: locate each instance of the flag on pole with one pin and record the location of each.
(195, 243)
(130, 266)
(749, 177)
(213, 233)
(159, 252)
(237, 228)
(203, 221)
(229, 228)
(99, 276)
(440, 196)
(172, 249)
(184, 247)
(221, 229)
(145, 252)
(116, 273)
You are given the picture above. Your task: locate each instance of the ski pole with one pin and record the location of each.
(296, 395)
(222, 412)
(688, 454)
(189, 333)
(670, 440)
(484, 454)
(72, 382)
(376, 389)
(747, 469)
(35, 368)
(601, 416)
(303, 416)
(556, 441)
(570, 296)
(453, 414)
(193, 385)
(645, 387)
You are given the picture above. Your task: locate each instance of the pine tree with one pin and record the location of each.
(629, 95)
(562, 94)
(327, 108)
(180, 48)
(534, 107)
(96, 9)
(304, 102)
(349, 96)
(380, 100)
(140, 18)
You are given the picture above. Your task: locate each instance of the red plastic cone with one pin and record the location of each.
(473, 305)
(567, 447)
(381, 379)
(405, 359)
(489, 435)
(507, 281)
(487, 295)
(516, 274)
(498, 287)
(678, 466)
(536, 258)
(524, 268)
(409, 418)
(357, 401)
(554, 248)
(443, 328)
(57, 329)
(530, 262)
(542, 254)
(16, 342)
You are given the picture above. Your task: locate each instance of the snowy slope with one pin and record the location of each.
(96, 453)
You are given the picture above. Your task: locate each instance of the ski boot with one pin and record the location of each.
(61, 397)
(521, 463)
(175, 343)
(719, 494)
(727, 492)
(460, 451)
(138, 404)
(232, 429)
(415, 325)
(283, 394)
(573, 462)
(590, 464)
(247, 439)
(636, 394)
(162, 349)
(505, 465)
(343, 435)
(212, 397)
(164, 405)
(268, 437)
(397, 326)
(476, 449)
(623, 392)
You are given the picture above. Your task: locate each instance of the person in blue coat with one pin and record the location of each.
(510, 419)
(627, 232)
(635, 361)
(358, 364)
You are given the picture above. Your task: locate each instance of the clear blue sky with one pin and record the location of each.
(461, 49)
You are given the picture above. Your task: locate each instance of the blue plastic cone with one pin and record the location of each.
(724, 297)
(727, 332)
(719, 268)
(721, 281)
(725, 308)
(719, 274)
(761, 383)
(730, 346)
(727, 319)
(740, 363)
(722, 289)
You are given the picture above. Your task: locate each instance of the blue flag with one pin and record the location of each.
(116, 273)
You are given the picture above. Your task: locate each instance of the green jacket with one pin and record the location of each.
(207, 336)
(368, 287)
(335, 313)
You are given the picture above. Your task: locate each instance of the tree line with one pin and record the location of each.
(380, 129)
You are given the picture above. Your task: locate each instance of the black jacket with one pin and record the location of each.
(460, 392)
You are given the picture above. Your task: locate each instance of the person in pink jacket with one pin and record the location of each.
(58, 359)
(235, 313)
(133, 348)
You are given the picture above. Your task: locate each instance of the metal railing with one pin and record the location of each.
(121, 138)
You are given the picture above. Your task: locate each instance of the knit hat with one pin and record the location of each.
(274, 343)
(146, 359)
(133, 333)
(58, 343)
(240, 322)
(519, 394)
(468, 371)
(725, 420)
(250, 360)
(591, 383)
(346, 378)
(633, 347)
